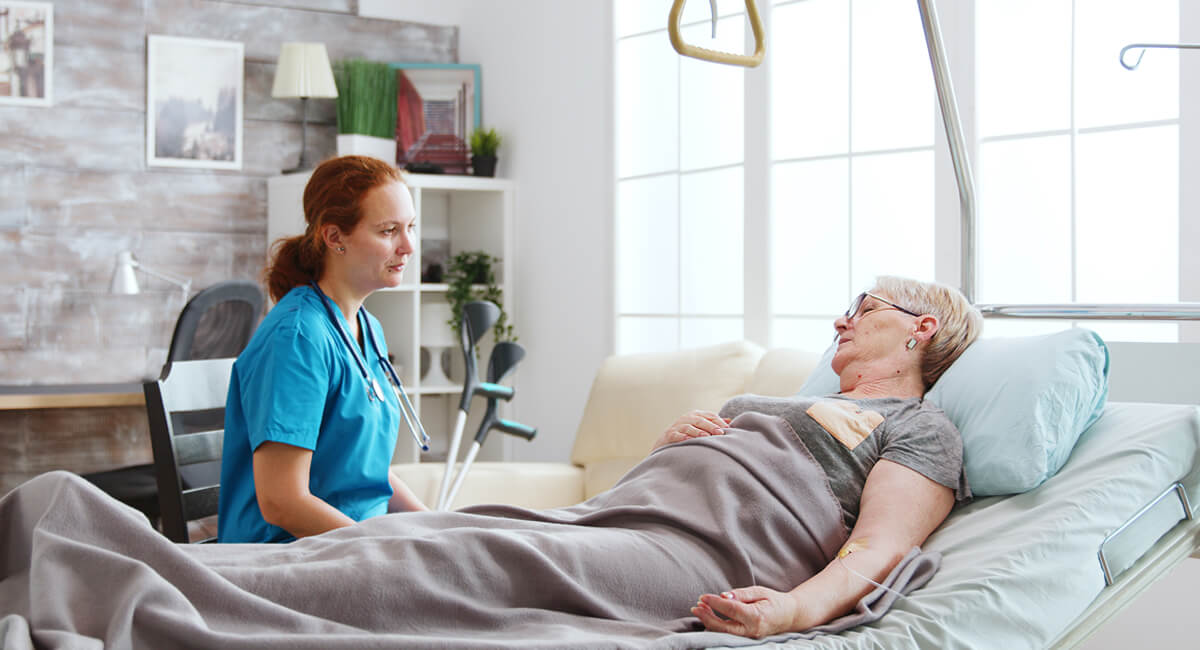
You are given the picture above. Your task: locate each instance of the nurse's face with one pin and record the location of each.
(378, 248)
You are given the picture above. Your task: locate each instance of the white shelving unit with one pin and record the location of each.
(469, 213)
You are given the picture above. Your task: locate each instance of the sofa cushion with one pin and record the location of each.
(529, 485)
(635, 397)
(1020, 403)
(782, 371)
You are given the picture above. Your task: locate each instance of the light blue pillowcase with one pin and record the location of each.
(1020, 403)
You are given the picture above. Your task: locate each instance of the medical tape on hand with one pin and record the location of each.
(856, 545)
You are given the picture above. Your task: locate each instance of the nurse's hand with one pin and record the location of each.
(693, 424)
(403, 499)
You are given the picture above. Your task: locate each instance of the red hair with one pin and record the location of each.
(333, 196)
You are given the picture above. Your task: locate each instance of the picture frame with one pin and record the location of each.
(435, 259)
(194, 102)
(437, 107)
(26, 53)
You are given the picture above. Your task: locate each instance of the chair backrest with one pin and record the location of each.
(187, 386)
(216, 323)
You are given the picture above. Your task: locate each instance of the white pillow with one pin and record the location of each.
(1020, 403)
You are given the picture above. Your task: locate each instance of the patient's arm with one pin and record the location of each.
(281, 486)
(899, 509)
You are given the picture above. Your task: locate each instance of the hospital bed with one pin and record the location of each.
(1020, 570)
(1025, 571)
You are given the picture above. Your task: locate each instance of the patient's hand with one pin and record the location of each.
(694, 424)
(750, 611)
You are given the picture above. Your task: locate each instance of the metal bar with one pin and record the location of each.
(1179, 491)
(956, 139)
(1170, 312)
(1144, 46)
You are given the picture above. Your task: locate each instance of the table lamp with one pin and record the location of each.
(124, 281)
(303, 71)
(436, 338)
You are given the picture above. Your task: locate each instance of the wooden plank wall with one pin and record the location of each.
(75, 191)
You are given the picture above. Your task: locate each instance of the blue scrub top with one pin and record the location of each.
(297, 383)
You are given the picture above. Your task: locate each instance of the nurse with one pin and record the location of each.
(311, 421)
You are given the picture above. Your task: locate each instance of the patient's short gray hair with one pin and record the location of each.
(959, 323)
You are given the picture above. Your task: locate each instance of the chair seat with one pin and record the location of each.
(134, 486)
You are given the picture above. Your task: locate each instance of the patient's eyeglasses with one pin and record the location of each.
(855, 307)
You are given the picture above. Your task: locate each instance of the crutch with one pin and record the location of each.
(476, 318)
(505, 357)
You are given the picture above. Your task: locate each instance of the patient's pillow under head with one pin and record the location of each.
(1020, 403)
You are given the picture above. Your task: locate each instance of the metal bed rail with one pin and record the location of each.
(1149, 511)
(1084, 311)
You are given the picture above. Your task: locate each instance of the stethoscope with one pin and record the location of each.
(374, 392)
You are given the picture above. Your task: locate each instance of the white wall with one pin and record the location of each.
(547, 88)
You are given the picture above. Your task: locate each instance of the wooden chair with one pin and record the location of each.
(185, 387)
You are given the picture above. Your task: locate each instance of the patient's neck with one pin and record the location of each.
(902, 386)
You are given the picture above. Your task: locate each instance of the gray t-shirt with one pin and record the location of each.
(848, 436)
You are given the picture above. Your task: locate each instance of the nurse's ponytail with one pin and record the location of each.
(333, 196)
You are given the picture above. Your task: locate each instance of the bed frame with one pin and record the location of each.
(1180, 542)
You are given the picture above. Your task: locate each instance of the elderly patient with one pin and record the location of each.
(775, 514)
(893, 460)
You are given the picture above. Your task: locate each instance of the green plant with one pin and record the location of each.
(484, 143)
(366, 101)
(472, 277)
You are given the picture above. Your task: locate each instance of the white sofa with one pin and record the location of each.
(633, 398)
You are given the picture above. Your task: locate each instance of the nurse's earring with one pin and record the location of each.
(341, 249)
(912, 343)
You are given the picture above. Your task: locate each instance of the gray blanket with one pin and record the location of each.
(79, 569)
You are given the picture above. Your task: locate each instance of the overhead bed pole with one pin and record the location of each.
(966, 197)
(958, 146)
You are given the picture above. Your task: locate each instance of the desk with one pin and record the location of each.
(79, 427)
(70, 396)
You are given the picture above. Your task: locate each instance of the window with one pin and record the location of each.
(679, 202)
(852, 136)
(1078, 158)
(1077, 164)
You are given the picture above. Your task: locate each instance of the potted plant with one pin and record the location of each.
(471, 276)
(483, 151)
(366, 109)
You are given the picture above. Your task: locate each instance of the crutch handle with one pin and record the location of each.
(494, 391)
(513, 428)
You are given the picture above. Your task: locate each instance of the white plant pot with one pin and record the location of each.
(354, 144)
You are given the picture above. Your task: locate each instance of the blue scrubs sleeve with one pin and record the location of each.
(285, 392)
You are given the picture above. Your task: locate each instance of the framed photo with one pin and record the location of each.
(194, 96)
(437, 107)
(26, 53)
(435, 259)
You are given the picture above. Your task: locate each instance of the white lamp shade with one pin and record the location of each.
(434, 330)
(123, 280)
(303, 71)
